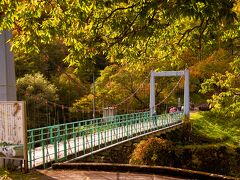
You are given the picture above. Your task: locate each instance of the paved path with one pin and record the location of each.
(99, 175)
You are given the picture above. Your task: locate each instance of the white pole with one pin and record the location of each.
(93, 101)
(186, 94)
(152, 93)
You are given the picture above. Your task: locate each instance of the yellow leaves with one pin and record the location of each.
(34, 2)
(217, 62)
(236, 7)
(83, 104)
(149, 151)
(88, 27)
(225, 88)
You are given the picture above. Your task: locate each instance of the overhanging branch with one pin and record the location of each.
(118, 9)
(188, 31)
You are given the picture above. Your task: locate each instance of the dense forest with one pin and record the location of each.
(62, 47)
(74, 57)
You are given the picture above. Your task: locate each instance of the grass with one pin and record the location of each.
(212, 144)
(18, 175)
(215, 128)
(4, 174)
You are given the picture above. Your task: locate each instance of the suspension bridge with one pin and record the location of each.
(72, 141)
(83, 138)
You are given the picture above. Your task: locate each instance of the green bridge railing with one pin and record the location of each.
(79, 139)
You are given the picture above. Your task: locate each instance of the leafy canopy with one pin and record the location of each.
(225, 90)
(123, 30)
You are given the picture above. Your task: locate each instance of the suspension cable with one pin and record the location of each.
(146, 109)
(170, 92)
(133, 92)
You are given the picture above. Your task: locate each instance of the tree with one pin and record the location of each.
(223, 87)
(127, 88)
(127, 32)
(225, 91)
(49, 62)
(37, 91)
(218, 62)
(35, 86)
(116, 84)
(70, 86)
(116, 29)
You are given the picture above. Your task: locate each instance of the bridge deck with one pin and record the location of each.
(79, 139)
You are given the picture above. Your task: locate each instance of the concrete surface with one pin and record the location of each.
(99, 175)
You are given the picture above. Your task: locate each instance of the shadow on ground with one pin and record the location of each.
(32, 175)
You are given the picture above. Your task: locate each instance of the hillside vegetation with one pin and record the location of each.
(215, 129)
(213, 145)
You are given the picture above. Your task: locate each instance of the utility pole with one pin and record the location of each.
(7, 69)
(7, 72)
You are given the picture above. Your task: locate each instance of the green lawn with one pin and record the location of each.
(221, 130)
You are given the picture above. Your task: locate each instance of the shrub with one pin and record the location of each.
(34, 87)
(154, 151)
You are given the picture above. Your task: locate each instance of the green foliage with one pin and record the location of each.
(4, 174)
(37, 91)
(120, 30)
(83, 104)
(35, 87)
(225, 89)
(48, 62)
(213, 146)
(150, 33)
(213, 158)
(222, 87)
(69, 87)
(115, 84)
(208, 129)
